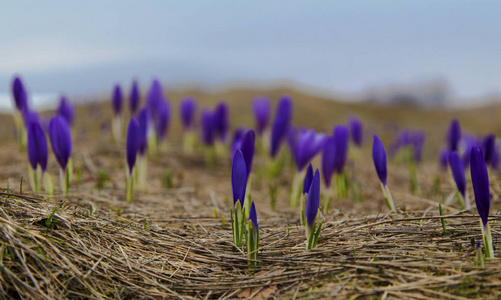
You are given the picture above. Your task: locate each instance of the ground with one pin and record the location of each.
(171, 241)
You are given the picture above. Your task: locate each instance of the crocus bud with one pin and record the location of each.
(187, 109)
(281, 124)
(454, 135)
(253, 216)
(116, 100)
(162, 119)
(261, 107)
(417, 140)
(308, 179)
(221, 120)
(341, 143)
(19, 94)
(238, 178)
(489, 147)
(480, 182)
(60, 140)
(66, 110)
(313, 200)
(132, 143)
(37, 146)
(154, 96)
(328, 158)
(30, 116)
(308, 144)
(247, 148)
(143, 119)
(356, 130)
(457, 169)
(379, 158)
(134, 97)
(208, 128)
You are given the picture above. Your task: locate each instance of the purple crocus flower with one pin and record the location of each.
(238, 178)
(379, 158)
(489, 145)
(221, 120)
(261, 107)
(19, 94)
(162, 119)
(154, 96)
(30, 116)
(308, 178)
(468, 142)
(253, 216)
(308, 144)
(340, 134)
(454, 135)
(417, 139)
(116, 99)
(443, 159)
(247, 148)
(313, 200)
(187, 109)
(134, 97)
(60, 139)
(208, 128)
(281, 124)
(457, 169)
(328, 158)
(132, 143)
(143, 120)
(37, 146)
(356, 130)
(480, 181)
(66, 110)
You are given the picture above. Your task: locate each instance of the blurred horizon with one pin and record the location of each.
(370, 50)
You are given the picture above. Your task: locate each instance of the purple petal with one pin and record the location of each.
(341, 141)
(143, 120)
(328, 159)
(480, 181)
(313, 200)
(454, 135)
(116, 100)
(379, 158)
(356, 130)
(238, 178)
(489, 145)
(281, 124)
(221, 120)
(162, 119)
(187, 110)
(37, 146)
(60, 140)
(247, 148)
(66, 110)
(19, 94)
(261, 107)
(208, 127)
(132, 143)
(253, 215)
(134, 97)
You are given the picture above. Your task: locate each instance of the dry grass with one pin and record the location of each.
(168, 244)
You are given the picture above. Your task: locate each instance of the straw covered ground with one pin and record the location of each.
(171, 241)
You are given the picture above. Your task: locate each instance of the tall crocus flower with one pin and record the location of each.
(356, 130)
(457, 169)
(489, 147)
(379, 159)
(328, 157)
(143, 120)
(281, 124)
(311, 211)
(480, 181)
(208, 127)
(20, 98)
(236, 141)
(340, 134)
(154, 96)
(238, 186)
(116, 101)
(221, 121)
(252, 238)
(66, 110)
(19, 94)
(454, 135)
(261, 107)
(60, 140)
(132, 145)
(247, 148)
(134, 98)
(187, 110)
(307, 179)
(307, 144)
(162, 119)
(37, 155)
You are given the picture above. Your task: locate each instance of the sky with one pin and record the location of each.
(85, 47)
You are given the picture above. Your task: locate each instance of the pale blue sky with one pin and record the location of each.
(82, 47)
